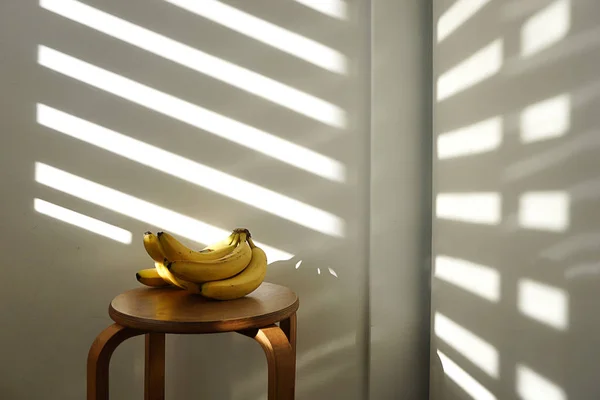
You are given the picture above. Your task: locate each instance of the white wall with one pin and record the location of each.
(400, 206)
(516, 234)
(59, 279)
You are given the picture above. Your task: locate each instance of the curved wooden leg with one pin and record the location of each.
(99, 359)
(281, 361)
(289, 327)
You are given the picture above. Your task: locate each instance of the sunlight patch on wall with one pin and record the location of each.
(546, 27)
(474, 278)
(533, 386)
(267, 32)
(138, 209)
(478, 208)
(481, 137)
(197, 60)
(193, 172)
(456, 15)
(82, 221)
(485, 63)
(474, 348)
(544, 303)
(547, 211)
(547, 119)
(465, 381)
(333, 8)
(219, 125)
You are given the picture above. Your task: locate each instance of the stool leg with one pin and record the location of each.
(98, 361)
(281, 361)
(289, 327)
(154, 379)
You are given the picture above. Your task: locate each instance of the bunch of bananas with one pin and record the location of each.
(226, 270)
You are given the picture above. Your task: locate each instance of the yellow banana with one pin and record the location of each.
(155, 251)
(174, 250)
(222, 243)
(191, 286)
(243, 283)
(153, 248)
(213, 270)
(167, 275)
(150, 277)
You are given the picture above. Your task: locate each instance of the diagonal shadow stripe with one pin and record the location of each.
(333, 8)
(199, 61)
(217, 124)
(139, 209)
(268, 33)
(191, 171)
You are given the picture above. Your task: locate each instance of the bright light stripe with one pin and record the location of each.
(477, 138)
(474, 278)
(188, 170)
(548, 211)
(332, 272)
(473, 388)
(226, 128)
(478, 67)
(456, 15)
(475, 349)
(546, 27)
(82, 221)
(197, 60)
(547, 119)
(333, 8)
(544, 303)
(533, 386)
(480, 208)
(266, 32)
(138, 209)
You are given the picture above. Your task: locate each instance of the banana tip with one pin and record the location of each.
(159, 234)
(147, 233)
(137, 276)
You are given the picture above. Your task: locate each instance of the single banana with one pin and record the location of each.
(176, 251)
(150, 277)
(153, 248)
(241, 284)
(191, 286)
(214, 270)
(155, 251)
(167, 275)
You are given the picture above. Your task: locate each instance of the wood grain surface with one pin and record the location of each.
(171, 310)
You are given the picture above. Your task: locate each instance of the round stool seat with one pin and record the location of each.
(172, 310)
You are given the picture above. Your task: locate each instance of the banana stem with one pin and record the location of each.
(243, 230)
(251, 243)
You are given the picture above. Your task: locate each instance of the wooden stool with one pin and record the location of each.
(155, 312)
